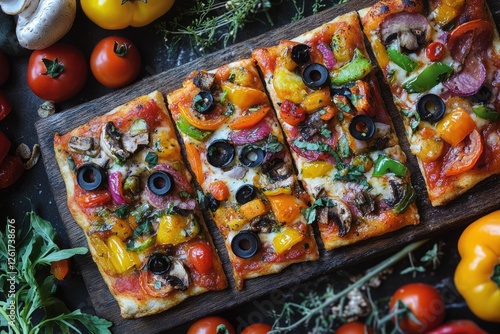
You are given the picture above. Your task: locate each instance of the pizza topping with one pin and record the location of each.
(286, 239)
(357, 68)
(277, 169)
(470, 39)
(121, 259)
(137, 135)
(408, 198)
(311, 126)
(300, 54)
(219, 190)
(335, 212)
(175, 278)
(181, 197)
(90, 176)
(464, 156)
(83, 145)
(410, 29)
(291, 113)
(359, 196)
(402, 60)
(483, 94)
(435, 51)
(262, 225)
(245, 244)
(159, 263)
(486, 112)
(455, 126)
(116, 188)
(431, 107)
(220, 153)
(252, 156)
(362, 127)
(200, 255)
(204, 80)
(328, 56)
(210, 202)
(160, 182)
(428, 78)
(470, 79)
(203, 102)
(250, 135)
(249, 117)
(174, 228)
(315, 75)
(111, 144)
(385, 165)
(246, 193)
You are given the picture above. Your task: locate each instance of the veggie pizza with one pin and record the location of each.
(238, 154)
(129, 191)
(346, 151)
(441, 60)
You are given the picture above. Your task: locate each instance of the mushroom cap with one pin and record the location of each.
(14, 7)
(411, 30)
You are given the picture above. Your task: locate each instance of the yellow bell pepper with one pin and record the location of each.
(243, 97)
(228, 217)
(289, 85)
(102, 252)
(278, 191)
(286, 208)
(253, 209)
(380, 53)
(164, 143)
(316, 169)
(119, 14)
(477, 276)
(455, 126)
(447, 11)
(121, 259)
(286, 239)
(175, 229)
(317, 99)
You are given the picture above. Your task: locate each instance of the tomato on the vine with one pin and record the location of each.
(11, 170)
(5, 106)
(435, 51)
(57, 73)
(257, 328)
(4, 68)
(354, 327)
(425, 303)
(115, 62)
(211, 325)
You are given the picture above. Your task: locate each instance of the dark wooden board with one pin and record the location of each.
(483, 199)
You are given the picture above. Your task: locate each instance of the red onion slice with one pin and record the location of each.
(251, 135)
(328, 56)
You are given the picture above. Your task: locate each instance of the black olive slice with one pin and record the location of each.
(300, 54)
(483, 94)
(220, 153)
(203, 102)
(315, 75)
(90, 176)
(245, 193)
(431, 107)
(245, 244)
(362, 127)
(210, 202)
(159, 263)
(252, 156)
(160, 182)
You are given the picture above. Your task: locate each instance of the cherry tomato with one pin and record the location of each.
(200, 255)
(355, 327)
(426, 304)
(291, 113)
(115, 62)
(258, 328)
(60, 269)
(435, 51)
(57, 73)
(5, 106)
(11, 170)
(4, 146)
(464, 156)
(210, 325)
(4, 68)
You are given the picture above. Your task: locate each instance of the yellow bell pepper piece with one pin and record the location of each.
(113, 14)
(253, 209)
(102, 252)
(286, 208)
(278, 191)
(244, 97)
(121, 258)
(228, 217)
(317, 99)
(477, 276)
(316, 169)
(164, 143)
(380, 53)
(289, 85)
(447, 11)
(455, 126)
(175, 229)
(286, 239)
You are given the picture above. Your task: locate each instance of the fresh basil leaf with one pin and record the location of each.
(309, 213)
(325, 132)
(144, 228)
(151, 159)
(123, 211)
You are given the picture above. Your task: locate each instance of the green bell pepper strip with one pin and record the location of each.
(384, 165)
(408, 198)
(428, 78)
(357, 68)
(141, 247)
(402, 60)
(485, 112)
(193, 132)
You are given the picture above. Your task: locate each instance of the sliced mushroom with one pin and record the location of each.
(101, 159)
(361, 198)
(178, 276)
(262, 225)
(410, 29)
(84, 145)
(111, 144)
(277, 169)
(204, 80)
(397, 188)
(337, 213)
(131, 143)
(311, 126)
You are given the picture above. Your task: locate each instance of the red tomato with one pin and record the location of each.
(200, 255)
(57, 73)
(426, 304)
(258, 328)
(464, 156)
(435, 51)
(11, 170)
(353, 328)
(4, 68)
(5, 106)
(60, 269)
(115, 62)
(4, 146)
(291, 113)
(94, 198)
(210, 325)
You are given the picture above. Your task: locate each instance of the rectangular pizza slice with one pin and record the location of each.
(441, 60)
(323, 87)
(129, 191)
(237, 152)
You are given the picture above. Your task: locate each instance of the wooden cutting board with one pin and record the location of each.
(483, 199)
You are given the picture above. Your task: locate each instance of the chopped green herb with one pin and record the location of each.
(325, 132)
(151, 159)
(309, 213)
(123, 211)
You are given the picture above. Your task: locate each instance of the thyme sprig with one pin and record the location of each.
(315, 305)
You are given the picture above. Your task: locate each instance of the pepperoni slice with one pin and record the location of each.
(468, 81)
(470, 38)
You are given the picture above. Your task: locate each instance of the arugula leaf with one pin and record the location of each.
(309, 213)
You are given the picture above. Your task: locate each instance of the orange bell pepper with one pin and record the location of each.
(243, 97)
(455, 126)
(194, 160)
(286, 208)
(250, 117)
